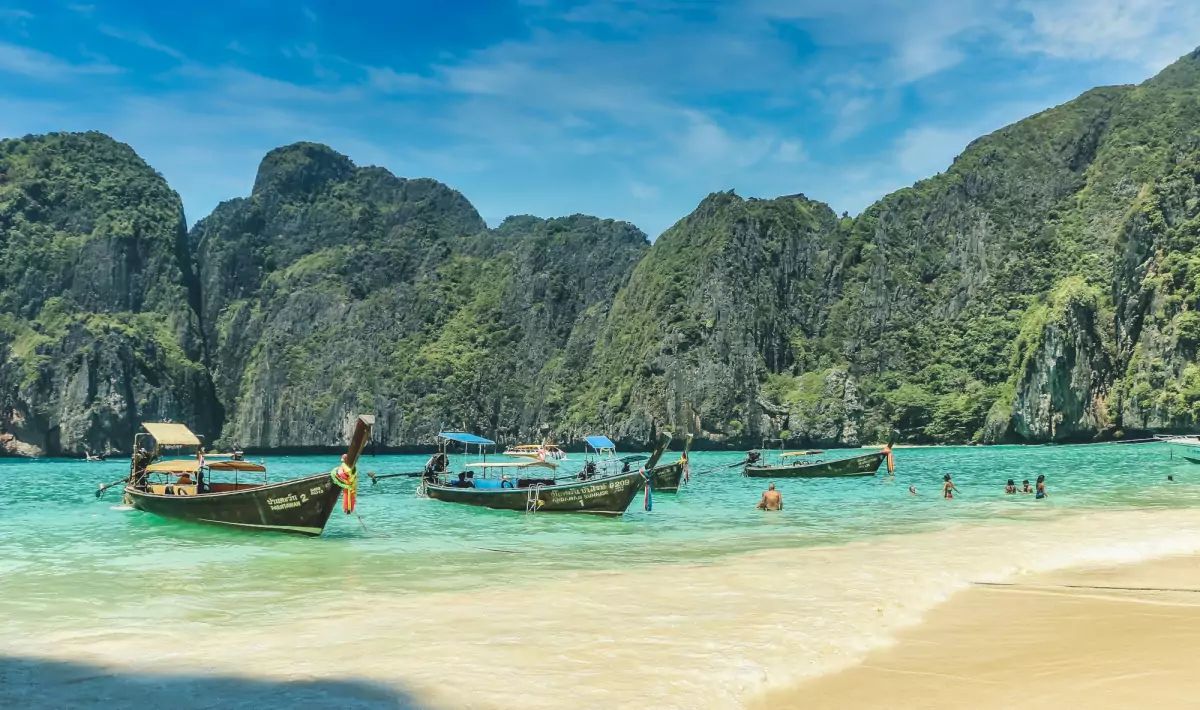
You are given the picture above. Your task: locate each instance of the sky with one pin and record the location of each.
(621, 109)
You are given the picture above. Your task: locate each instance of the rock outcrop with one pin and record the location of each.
(97, 326)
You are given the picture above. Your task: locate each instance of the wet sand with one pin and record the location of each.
(1105, 637)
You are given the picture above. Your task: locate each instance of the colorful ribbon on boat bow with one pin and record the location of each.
(345, 477)
(891, 459)
(687, 469)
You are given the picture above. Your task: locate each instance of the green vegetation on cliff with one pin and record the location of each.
(97, 327)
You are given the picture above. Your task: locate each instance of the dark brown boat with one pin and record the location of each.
(668, 477)
(610, 495)
(600, 493)
(166, 488)
(864, 465)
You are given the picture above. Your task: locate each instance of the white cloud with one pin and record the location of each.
(141, 39)
(390, 81)
(790, 151)
(1151, 33)
(24, 61)
(14, 15)
(643, 191)
(925, 150)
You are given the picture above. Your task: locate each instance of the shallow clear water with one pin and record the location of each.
(71, 565)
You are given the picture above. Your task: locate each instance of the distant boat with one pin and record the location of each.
(607, 492)
(1185, 447)
(542, 452)
(800, 464)
(184, 489)
(668, 477)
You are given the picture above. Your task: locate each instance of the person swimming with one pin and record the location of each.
(912, 489)
(1041, 486)
(1025, 486)
(771, 499)
(1011, 488)
(948, 487)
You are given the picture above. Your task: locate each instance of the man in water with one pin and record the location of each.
(1025, 486)
(1041, 486)
(772, 499)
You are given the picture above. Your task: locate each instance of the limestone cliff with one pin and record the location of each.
(97, 329)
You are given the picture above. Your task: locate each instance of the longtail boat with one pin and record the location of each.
(601, 493)
(543, 452)
(186, 489)
(798, 464)
(1184, 447)
(668, 477)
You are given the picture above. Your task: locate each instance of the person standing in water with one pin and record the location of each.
(1011, 488)
(1025, 486)
(1041, 487)
(771, 499)
(948, 487)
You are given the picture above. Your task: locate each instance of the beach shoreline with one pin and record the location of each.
(1111, 636)
(713, 634)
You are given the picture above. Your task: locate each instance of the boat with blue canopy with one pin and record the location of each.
(501, 485)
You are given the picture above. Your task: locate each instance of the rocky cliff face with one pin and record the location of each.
(726, 297)
(334, 289)
(97, 329)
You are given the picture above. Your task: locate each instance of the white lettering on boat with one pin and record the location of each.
(285, 502)
(583, 493)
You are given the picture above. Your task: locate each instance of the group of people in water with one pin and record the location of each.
(1039, 492)
(773, 499)
(1010, 488)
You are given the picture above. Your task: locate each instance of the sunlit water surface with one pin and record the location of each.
(704, 586)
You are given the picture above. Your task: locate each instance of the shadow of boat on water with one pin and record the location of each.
(33, 683)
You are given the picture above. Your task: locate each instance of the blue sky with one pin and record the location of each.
(629, 110)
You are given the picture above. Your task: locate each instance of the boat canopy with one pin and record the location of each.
(174, 466)
(235, 466)
(633, 458)
(465, 438)
(811, 452)
(513, 464)
(600, 442)
(168, 434)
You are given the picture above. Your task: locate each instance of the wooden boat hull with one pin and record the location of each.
(865, 465)
(301, 506)
(601, 496)
(667, 478)
(1187, 451)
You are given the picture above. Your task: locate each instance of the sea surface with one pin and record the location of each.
(702, 601)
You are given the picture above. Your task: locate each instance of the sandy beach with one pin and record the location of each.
(716, 634)
(1103, 637)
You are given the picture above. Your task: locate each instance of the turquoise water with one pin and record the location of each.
(57, 541)
(651, 609)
